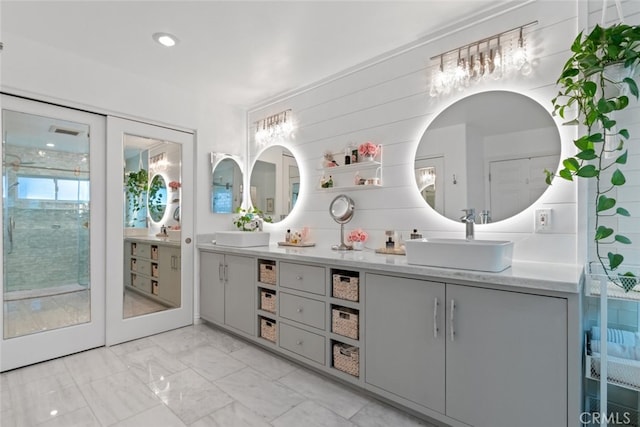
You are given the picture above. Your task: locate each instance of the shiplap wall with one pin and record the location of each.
(629, 195)
(387, 101)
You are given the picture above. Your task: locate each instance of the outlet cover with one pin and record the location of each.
(542, 220)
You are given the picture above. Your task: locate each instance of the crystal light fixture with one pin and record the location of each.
(274, 128)
(487, 61)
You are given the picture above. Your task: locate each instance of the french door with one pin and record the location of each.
(150, 186)
(53, 220)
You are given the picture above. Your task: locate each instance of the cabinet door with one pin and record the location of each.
(212, 287)
(240, 293)
(507, 360)
(169, 274)
(404, 354)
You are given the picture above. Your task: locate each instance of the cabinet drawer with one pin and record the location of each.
(143, 267)
(303, 277)
(140, 282)
(303, 310)
(141, 249)
(304, 343)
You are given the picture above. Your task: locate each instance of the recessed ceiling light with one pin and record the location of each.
(50, 144)
(165, 39)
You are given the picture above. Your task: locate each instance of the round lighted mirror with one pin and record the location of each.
(275, 183)
(341, 209)
(487, 151)
(226, 184)
(157, 198)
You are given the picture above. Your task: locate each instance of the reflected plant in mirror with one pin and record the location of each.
(157, 200)
(487, 151)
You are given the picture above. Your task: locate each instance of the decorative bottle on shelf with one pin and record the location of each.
(330, 182)
(287, 236)
(347, 155)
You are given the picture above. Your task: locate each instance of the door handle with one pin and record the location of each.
(226, 273)
(451, 328)
(435, 317)
(220, 277)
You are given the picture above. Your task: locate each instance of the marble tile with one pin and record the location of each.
(310, 414)
(131, 346)
(232, 415)
(265, 397)
(180, 340)
(377, 414)
(33, 407)
(210, 362)
(22, 395)
(118, 397)
(189, 395)
(152, 363)
(219, 339)
(159, 416)
(34, 372)
(330, 394)
(5, 396)
(82, 417)
(93, 364)
(266, 363)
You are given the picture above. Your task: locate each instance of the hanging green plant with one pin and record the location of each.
(604, 57)
(137, 185)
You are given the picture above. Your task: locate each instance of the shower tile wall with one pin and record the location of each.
(50, 238)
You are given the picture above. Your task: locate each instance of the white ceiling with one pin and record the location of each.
(241, 52)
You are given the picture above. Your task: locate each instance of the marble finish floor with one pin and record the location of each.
(30, 314)
(195, 376)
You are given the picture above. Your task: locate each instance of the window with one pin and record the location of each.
(48, 188)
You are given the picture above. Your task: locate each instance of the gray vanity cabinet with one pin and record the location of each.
(227, 290)
(405, 342)
(169, 274)
(507, 358)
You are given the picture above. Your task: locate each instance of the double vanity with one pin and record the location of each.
(463, 347)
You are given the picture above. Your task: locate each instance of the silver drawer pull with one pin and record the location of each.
(435, 318)
(299, 309)
(299, 342)
(453, 307)
(298, 277)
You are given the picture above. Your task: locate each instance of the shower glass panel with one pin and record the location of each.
(46, 223)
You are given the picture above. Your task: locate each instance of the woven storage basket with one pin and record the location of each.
(268, 330)
(267, 273)
(268, 301)
(344, 321)
(346, 359)
(345, 287)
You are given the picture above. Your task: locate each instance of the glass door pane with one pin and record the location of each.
(47, 214)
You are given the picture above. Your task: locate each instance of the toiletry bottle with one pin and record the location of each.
(287, 236)
(390, 244)
(330, 182)
(347, 155)
(415, 234)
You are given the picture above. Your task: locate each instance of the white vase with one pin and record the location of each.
(358, 246)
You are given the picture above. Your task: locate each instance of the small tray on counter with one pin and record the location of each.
(392, 251)
(298, 245)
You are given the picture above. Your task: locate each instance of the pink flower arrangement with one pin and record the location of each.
(174, 185)
(368, 149)
(357, 235)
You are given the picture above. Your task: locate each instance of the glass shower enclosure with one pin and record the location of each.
(46, 206)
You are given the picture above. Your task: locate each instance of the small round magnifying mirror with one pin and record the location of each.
(341, 210)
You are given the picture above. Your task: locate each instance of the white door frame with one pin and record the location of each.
(119, 329)
(37, 347)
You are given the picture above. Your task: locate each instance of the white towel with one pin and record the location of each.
(617, 350)
(617, 336)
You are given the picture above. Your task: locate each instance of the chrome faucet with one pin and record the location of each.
(469, 218)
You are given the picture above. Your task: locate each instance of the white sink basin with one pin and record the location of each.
(480, 255)
(242, 239)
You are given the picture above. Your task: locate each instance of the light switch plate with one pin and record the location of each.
(542, 220)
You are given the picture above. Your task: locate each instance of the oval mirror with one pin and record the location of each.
(226, 184)
(275, 182)
(157, 198)
(487, 151)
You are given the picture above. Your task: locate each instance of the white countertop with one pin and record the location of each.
(530, 275)
(153, 239)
